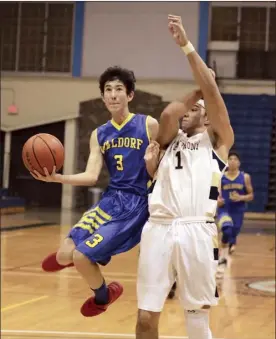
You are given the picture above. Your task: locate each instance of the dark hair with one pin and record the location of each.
(236, 154)
(118, 73)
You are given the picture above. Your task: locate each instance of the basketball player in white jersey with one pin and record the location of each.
(179, 242)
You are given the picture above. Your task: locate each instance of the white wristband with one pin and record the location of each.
(189, 48)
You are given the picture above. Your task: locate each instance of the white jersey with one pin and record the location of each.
(187, 180)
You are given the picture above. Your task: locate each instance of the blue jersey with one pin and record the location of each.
(123, 148)
(235, 185)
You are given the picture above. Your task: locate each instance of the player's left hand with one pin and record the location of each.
(235, 196)
(53, 177)
(152, 151)
(177, 30)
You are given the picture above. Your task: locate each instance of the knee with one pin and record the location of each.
(147, 321)
(227, 234)
(79, 258)
(64, 256)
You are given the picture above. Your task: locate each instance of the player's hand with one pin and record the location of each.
(177, 30)
(220, 201)
(235, 196)
(152, 151)
(53, 177)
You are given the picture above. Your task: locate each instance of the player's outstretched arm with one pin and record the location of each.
(216, 110)
(87, 178)
(169, 119)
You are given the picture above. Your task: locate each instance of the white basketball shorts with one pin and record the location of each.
(185, 252)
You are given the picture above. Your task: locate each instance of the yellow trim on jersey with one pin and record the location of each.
(231, 179)
(223, 219)
(102, 213)
(147, 127)
(93, 215)
(127, 119)
(84, 227)
(95, 225)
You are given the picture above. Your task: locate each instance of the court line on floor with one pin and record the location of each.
(37, 274)
(87, 334)
(28, 226)
(116, 274)
(10, 307)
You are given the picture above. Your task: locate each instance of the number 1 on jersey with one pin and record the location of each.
(119, 164)
(178, 155)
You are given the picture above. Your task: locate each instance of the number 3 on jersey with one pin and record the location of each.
(96, 240)
(119, 162)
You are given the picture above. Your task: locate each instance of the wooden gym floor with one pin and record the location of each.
(36, 304)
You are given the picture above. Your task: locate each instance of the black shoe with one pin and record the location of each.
(222, 261)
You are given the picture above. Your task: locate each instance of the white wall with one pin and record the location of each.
(42, 100)
(135, 35)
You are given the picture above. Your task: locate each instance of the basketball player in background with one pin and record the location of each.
(235, 191)
(179, 242)
(113, 225)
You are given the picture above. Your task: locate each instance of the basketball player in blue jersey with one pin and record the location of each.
(114, 224)
(236, 189)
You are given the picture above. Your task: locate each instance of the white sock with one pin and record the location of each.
(224, 252)
(197, 324)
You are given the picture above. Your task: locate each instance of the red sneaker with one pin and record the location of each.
(90, 309)
(50, 264)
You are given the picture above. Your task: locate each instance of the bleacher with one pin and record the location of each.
(251, 118)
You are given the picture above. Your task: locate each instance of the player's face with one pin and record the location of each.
(193, 119)
(115, 96)
(233, 163)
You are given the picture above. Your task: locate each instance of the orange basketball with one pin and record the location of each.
(43, 150)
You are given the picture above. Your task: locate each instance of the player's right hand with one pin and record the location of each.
(53, 177)
(177, 30)
(152, 151)
(220, 201)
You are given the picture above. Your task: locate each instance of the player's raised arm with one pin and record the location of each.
(87, 178)
(216, 110)
(169, 119)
